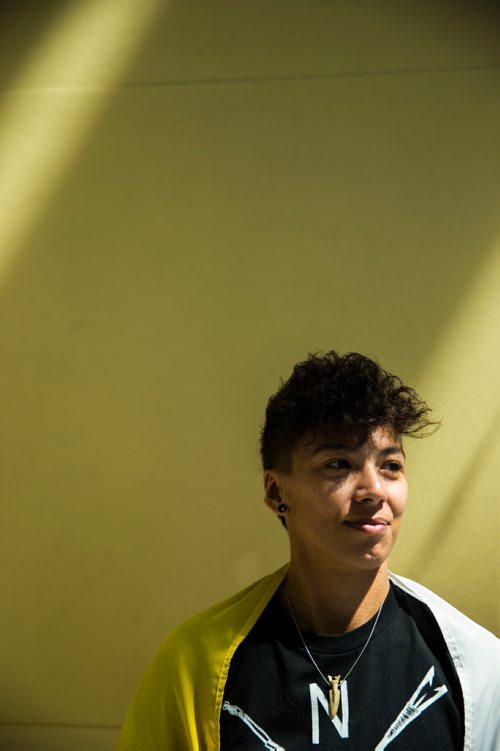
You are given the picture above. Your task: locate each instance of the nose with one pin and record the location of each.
(370, 487)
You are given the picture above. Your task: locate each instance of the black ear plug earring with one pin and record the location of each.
(282, 508)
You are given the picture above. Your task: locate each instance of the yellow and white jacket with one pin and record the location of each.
(178, 703)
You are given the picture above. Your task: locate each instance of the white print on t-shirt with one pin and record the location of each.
(419, 702)
(318, 697)
(258, 731)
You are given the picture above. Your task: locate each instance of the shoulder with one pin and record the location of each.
(475, 651)
(447, 616)
(216, 628)
(175, 705)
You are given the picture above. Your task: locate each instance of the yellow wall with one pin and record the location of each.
(194, 195)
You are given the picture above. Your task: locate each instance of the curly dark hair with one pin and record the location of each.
(349, 393)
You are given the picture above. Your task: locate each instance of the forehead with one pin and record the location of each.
(378, 438)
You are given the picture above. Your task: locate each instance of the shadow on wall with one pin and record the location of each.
(59, 90)
(22, 28)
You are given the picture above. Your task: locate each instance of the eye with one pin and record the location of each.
(338, 464)
(393, 466)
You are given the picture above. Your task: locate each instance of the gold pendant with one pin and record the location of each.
(334, 694)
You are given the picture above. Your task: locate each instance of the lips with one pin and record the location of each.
(370, 525)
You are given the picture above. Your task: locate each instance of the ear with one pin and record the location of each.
(272, 497)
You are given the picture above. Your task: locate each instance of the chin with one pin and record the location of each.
(375, 558)
(371, 564)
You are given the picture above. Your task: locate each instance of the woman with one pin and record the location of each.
(332, 651)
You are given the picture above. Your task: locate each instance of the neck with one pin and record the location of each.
(335, 602)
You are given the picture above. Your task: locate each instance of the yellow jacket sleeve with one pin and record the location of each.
(177, 705)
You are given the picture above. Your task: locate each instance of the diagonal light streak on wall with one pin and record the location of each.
(463, 372)
(54, 102)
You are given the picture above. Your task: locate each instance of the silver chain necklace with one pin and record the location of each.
(332, 681)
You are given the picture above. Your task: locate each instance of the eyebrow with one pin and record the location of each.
(395, 449)
(332, 447)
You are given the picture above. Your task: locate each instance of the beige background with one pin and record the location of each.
(194, 195)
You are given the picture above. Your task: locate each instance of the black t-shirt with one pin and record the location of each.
(403, 692)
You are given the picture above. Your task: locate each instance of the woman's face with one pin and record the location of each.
(344, 502)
